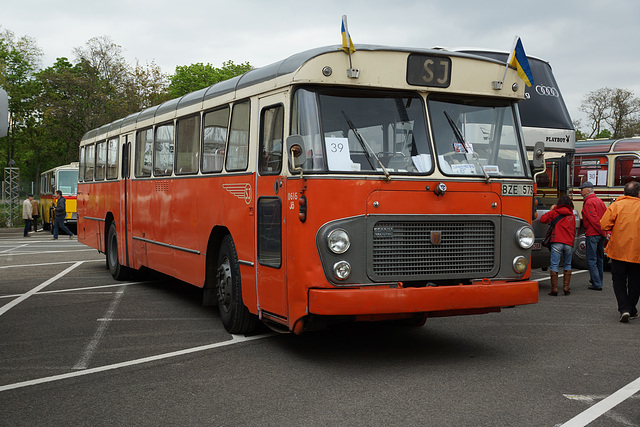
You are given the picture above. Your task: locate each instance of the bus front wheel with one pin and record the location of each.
(235, 316)
(118, 271)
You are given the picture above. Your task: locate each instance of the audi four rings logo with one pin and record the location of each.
(547, 91)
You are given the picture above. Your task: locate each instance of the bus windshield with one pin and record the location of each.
(68, 182)
(362, 131)
(477, 137)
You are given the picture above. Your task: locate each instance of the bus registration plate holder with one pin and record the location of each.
(516, 190)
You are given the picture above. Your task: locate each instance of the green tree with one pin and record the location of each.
(190, 78)
(19, 61)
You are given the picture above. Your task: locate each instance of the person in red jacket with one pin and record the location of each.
(592, 212)
(562, 238)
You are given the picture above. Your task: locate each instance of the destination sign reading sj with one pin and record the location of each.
(428, 70)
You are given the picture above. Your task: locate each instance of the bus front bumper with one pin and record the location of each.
(479, 297)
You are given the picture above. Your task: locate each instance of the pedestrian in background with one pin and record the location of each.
(562, 238)
(622, 217)
(592, 212)
(27, 212)
(35, 214)
(60, 213)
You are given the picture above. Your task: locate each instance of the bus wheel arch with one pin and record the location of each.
(235, 316)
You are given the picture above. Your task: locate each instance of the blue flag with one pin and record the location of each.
(520, 62)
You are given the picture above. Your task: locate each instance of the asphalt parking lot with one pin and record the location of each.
(79, 348)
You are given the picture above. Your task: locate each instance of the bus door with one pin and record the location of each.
(270, 210)
(125, 212)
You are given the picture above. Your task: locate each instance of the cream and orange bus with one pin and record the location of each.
(311, 191)
(608, 164)
(65, 179)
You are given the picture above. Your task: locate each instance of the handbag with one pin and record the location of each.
(546, 241)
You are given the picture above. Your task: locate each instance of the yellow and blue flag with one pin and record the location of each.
(347, 44)
(520, 62)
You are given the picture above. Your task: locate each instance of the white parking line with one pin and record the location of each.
(12, 248)
(48, 263)
(66, 251)
(24, 296)
(102, 327)
(236, 339)
(604, 406)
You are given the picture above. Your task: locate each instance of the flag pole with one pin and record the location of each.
(498, 85)
(351, 72)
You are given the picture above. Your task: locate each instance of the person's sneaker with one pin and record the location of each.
(72, 236)
(635, 316)
(593, 288)
(624, 317)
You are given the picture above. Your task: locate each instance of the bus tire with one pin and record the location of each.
(118, 271)
(235, 316)
(579, 255)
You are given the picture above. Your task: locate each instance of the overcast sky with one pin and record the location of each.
(590, 44)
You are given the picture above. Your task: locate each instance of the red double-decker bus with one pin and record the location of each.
(318, 190)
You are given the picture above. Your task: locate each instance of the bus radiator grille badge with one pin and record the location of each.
(436, 237)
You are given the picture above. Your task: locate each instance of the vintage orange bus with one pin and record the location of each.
(65, 179)
(608, 164)
(310, 191)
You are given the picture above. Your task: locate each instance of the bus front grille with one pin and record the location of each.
(420, 250)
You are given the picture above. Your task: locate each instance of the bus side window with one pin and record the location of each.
(144, 146)
(90, 161)
(163, 150)
(112, 158)
(271, 134)
(627, 169)
(101, 160)
(80, 169)
(216, 124)
(188, 145)
(238, 151)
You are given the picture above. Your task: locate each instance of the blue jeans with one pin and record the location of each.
(58, 223)
(595, 259)
(557, 250)
(27, 227)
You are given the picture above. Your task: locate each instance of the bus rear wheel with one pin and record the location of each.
(118, 271)
(235, 316)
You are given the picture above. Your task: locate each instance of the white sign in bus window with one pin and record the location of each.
(597, 177)
(338, 155)
(463, 169)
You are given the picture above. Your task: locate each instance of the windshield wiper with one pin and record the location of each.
(365, 146)
(463, 142)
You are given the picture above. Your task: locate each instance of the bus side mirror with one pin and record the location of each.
(538, 155)
(295, 147)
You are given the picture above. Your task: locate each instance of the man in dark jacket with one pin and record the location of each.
(60, 213)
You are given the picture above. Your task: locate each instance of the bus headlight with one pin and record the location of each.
(341, 270)
(520, 264)
(525, 237)
(338, 241)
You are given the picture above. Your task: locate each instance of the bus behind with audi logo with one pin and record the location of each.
(544, 117)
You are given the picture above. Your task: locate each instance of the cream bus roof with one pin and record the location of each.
(254, 77)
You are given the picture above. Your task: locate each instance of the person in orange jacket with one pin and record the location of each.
(622, 217)
(562, 238)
